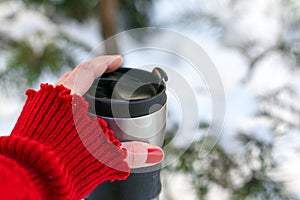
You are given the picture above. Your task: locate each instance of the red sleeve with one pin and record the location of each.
(15, 182)
(57, 151)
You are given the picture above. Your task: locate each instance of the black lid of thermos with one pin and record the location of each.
(131, 92)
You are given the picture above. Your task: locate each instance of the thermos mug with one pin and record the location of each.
(133, 102)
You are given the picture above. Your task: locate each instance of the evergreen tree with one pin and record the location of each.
(28, 57)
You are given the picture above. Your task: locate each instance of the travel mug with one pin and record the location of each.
(133, 102)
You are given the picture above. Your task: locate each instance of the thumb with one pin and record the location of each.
(141, 154)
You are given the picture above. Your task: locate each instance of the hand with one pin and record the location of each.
(81, 78)
(139, 154)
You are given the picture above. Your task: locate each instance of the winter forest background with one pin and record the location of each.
(255, 46)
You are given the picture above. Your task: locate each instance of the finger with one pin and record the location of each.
(62, 78)
(82, 77)
(140, 154)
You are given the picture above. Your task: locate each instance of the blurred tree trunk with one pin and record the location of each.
(108, 11)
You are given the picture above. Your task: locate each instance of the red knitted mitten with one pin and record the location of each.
(65, 152)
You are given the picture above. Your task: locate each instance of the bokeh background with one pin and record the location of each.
(255, 46)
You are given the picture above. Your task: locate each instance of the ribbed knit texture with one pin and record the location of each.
(15, 183)
(64, 153)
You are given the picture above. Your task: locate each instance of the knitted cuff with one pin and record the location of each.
(84, 146)
(13, 176)
(44, 172)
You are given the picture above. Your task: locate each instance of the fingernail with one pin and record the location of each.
(155, 155)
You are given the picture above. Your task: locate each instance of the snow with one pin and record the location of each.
(19, 22)
(10, 109)
(87, 33)
(259, 24)
(295, 82)
(240, 107)
(270, 74)
(177, 186)
(287, 153)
